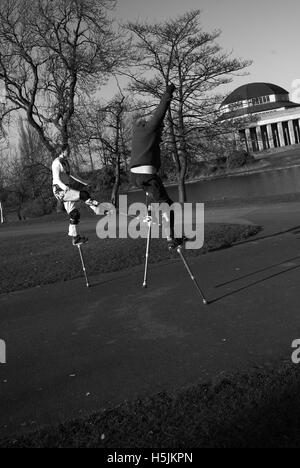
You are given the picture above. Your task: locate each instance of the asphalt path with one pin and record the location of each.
(73, 351)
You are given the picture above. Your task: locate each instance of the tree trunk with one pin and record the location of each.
(176, 158)
(91, 159)
(118, 143)
(182, 154)
(2, 215)
(116, 186)
(182, 173)
(182, 196)
(20, 215)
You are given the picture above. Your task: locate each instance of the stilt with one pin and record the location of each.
(149, 222)
(179, 250)
(83, 266)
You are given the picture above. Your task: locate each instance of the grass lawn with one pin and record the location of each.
(35, 260)
(257, 410)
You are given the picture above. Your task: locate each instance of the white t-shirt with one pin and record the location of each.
(61, 173)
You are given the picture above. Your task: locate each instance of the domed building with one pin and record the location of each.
(271, 120)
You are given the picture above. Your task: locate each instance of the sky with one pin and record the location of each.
(264, 31)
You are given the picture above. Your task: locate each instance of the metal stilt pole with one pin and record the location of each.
(149, 221)
(83, 267)
(179, 250)
(120, 213)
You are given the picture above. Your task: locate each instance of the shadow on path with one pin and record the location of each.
(295, 230)
(254, 283)
(257, 271)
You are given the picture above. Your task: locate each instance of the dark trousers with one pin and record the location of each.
(153, 187)
(155, 191)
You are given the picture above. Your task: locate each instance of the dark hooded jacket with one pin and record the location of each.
(147, 135)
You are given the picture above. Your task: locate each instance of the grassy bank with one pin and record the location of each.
(42, 259)
(256, 201)
(259, 410)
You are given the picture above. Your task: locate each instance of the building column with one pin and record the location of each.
(259, 138)
(281, 135)
(299, 126)
(270, 136)
(296, 126)
(292, 132)
(248, 139)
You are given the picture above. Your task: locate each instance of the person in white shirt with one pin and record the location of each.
(63, 191)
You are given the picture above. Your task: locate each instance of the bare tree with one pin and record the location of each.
(3, 195)
(50, 53)
(87, 130)
(35, 162)
(104, 131)
(3, 168)
(115, 139)
(179, 51)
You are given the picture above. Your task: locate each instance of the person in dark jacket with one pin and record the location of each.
(146, 160)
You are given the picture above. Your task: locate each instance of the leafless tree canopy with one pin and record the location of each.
(104, 131)
(55, 55)
(50, 52)
(179, 51)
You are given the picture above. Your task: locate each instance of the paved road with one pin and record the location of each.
(73, 351)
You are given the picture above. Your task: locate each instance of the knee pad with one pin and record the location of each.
(74, 217)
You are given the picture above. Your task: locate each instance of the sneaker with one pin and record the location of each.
(173, 244)
(92, 203)
(79, 240)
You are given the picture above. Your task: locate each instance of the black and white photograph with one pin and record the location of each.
(149, 227)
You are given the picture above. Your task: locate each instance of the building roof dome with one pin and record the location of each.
(253, 90)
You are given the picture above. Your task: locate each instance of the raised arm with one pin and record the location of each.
(159, 114)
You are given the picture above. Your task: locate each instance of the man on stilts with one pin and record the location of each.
(144, 166)
(63, 180)
(146, 162)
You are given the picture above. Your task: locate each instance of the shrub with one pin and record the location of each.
(36, 208)
(237, 159)
(3, 195)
